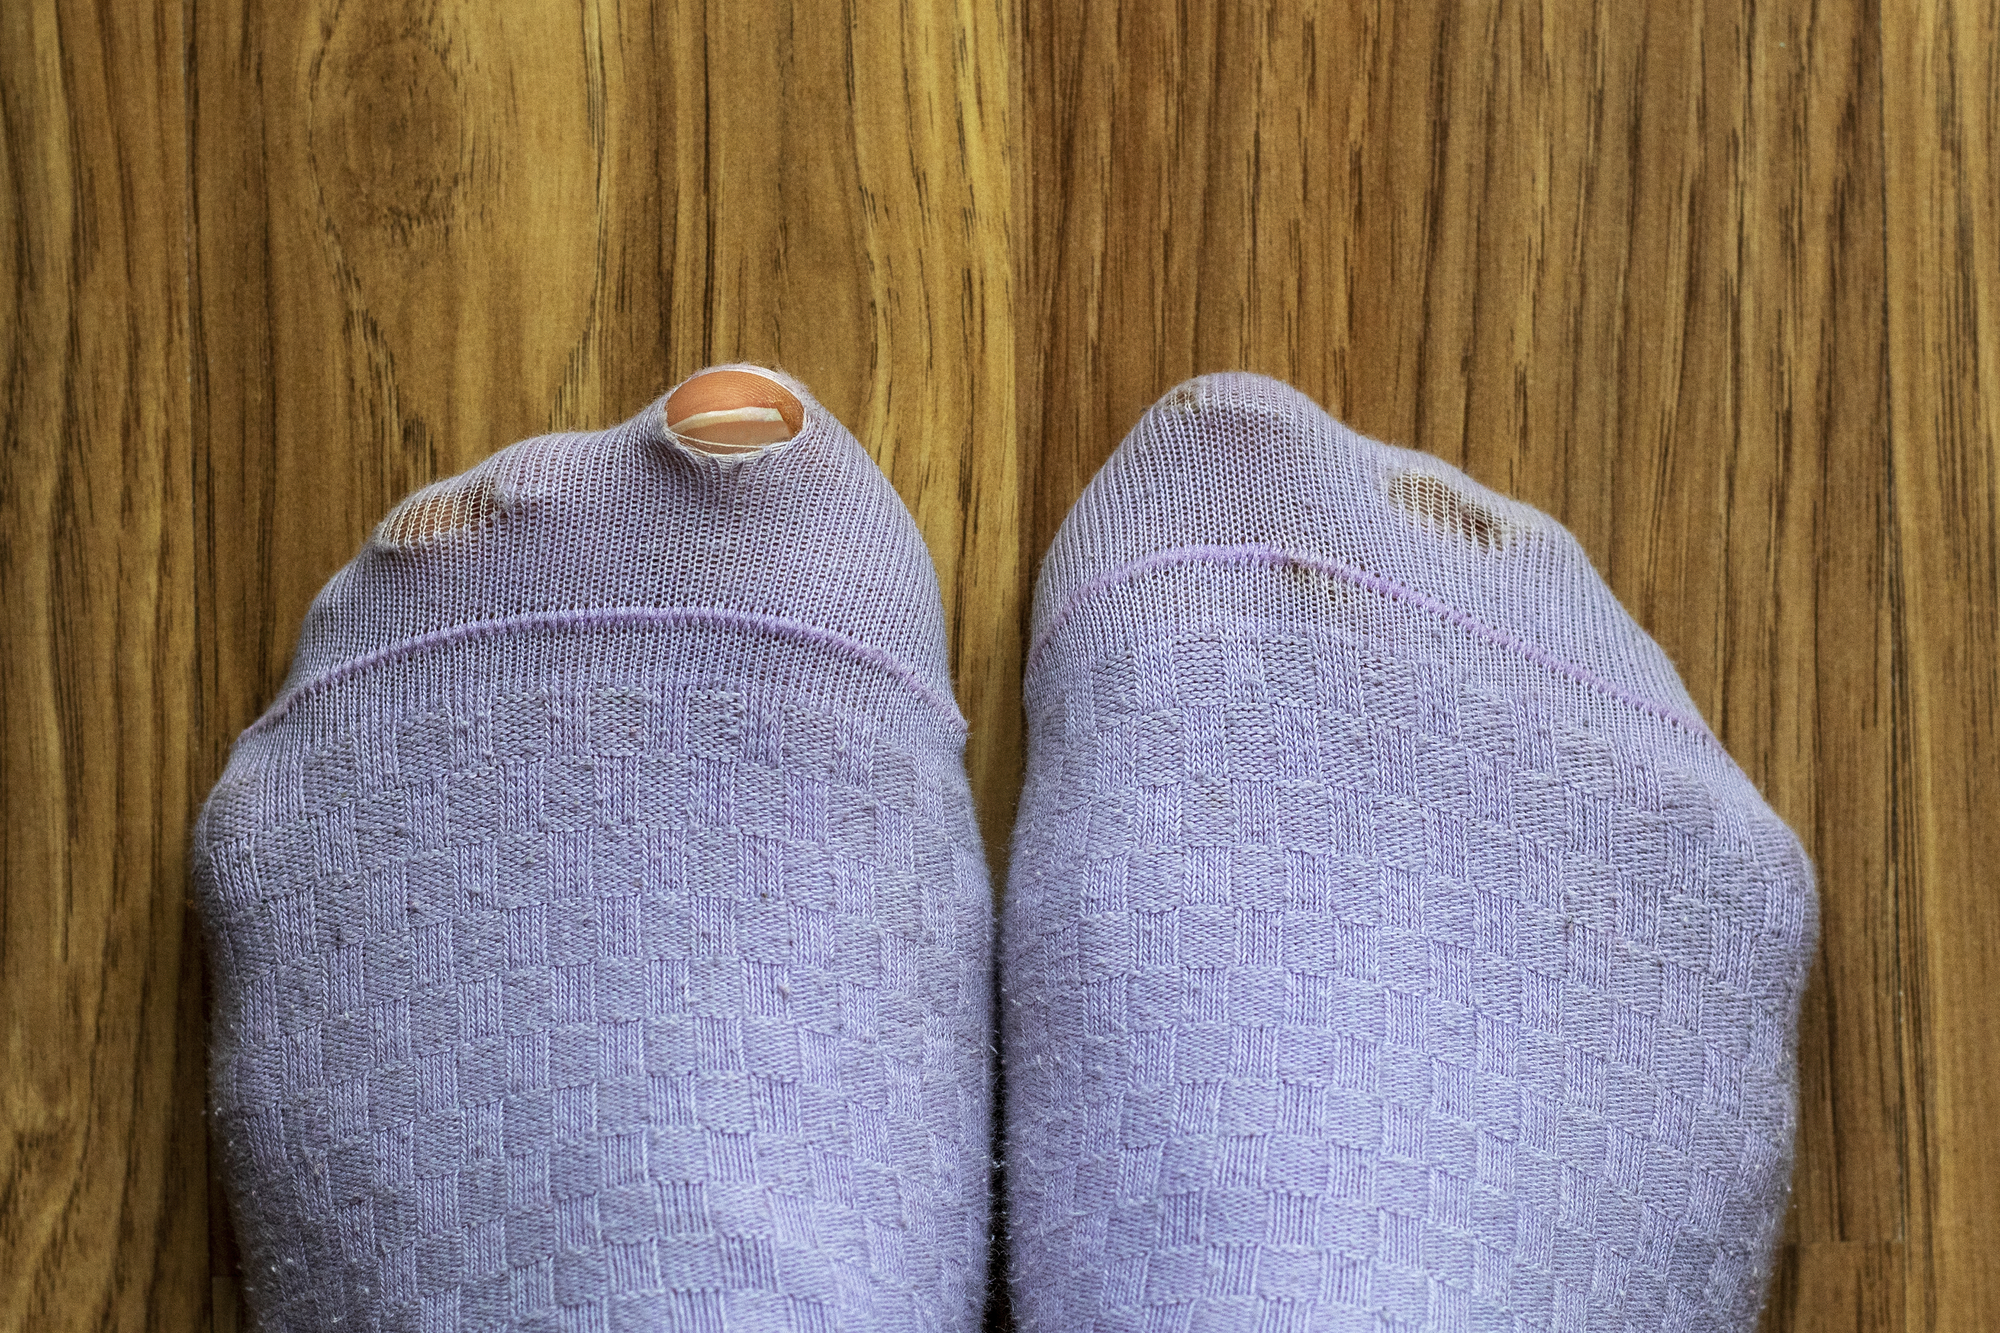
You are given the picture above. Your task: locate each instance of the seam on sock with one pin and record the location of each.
(609, 617)
(1258, 553)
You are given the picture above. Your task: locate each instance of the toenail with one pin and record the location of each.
(733, 412)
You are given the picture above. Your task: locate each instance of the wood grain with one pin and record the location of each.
(1717, 285)
(1941, 134)
(103, 1189)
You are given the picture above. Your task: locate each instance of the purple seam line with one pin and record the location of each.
(604, 617)
(1257, 553)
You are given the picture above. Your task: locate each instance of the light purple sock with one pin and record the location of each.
(599, 927)
(1389, 944)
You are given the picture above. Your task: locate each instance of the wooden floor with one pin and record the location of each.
(1716, 284)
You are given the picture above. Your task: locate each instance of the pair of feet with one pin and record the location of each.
(602, 939)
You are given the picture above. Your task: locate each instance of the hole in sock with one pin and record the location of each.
(458, 504)
(1438, 504)
(733, 412)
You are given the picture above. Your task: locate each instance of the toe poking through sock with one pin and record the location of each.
(727, 412)
(1437, 503)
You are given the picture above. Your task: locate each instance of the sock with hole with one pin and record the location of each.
(1389, 945)
(599, 928)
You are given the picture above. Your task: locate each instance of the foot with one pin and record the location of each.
(1389, 944)
(600, 933)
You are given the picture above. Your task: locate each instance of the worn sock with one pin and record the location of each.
(599, 929)
(1389, 945)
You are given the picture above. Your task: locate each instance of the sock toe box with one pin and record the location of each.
(807, 534)
(1240, 469)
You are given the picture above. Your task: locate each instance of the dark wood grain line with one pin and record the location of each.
(1941, 186)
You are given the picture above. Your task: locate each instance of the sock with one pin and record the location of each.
(600, 935)
(1389, 945)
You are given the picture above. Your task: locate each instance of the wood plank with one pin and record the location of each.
(1941, 133)
(1623, 263)
(103, 1219)
(1838, 1286)
(1804, 662)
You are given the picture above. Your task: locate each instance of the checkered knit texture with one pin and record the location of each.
(1389, 945)
(601, 939)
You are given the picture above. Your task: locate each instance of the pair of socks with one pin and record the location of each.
(601, 937)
